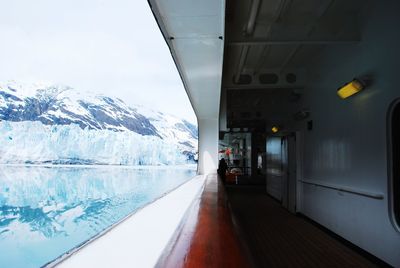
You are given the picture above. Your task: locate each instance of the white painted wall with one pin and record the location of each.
(208, 146)
(347, 145)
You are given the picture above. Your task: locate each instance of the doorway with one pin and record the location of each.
(281, 170)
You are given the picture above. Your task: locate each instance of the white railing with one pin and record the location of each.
(346, 189)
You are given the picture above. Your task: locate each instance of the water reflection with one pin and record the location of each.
(47, 211)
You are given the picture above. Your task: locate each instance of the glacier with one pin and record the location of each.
(56, 124)
(32, 142)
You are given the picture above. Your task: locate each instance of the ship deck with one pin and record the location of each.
(241, 226)
(278, 238)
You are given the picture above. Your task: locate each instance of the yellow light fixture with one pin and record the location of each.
(350, 89)
(274, 129)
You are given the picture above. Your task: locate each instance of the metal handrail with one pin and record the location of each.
(347, 189)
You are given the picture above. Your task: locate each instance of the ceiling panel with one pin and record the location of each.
(190, 8)
(194, 31)
(193, 27)
(201, 65)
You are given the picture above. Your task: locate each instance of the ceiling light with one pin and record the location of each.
(274, 129)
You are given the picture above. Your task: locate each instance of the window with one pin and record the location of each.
(394, 160)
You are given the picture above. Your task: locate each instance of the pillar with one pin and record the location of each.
(208, 146)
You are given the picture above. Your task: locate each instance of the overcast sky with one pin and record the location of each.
(113, 47)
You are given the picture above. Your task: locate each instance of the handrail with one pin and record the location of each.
(347, 189)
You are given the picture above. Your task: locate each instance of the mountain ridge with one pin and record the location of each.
(64, 105)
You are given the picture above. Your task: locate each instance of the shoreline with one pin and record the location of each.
(186, 166)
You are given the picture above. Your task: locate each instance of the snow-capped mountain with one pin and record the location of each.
(63, 106)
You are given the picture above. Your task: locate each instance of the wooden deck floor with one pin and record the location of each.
(208, 237)
(277, 238)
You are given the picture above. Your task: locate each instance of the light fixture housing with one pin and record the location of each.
(351, 88)
(274, 129)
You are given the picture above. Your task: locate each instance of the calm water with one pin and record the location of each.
(45, 212)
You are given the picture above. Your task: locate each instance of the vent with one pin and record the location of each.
(269, 78)
(291, 78)
(244, 79)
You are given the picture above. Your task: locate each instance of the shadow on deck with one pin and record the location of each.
(241, 226)
(277, 238)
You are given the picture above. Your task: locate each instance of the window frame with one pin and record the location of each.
(394, 204)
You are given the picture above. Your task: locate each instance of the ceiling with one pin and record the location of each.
(194, 32)
(245, 62)
(267, 47)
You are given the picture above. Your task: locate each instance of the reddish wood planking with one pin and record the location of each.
(207, 237)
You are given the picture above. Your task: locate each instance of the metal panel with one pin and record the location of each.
(347, 145)
(201, 70)
(275, 172)
(194, 32)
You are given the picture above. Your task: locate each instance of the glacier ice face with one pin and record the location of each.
(63, 105)
(35, 143)
(41, 125)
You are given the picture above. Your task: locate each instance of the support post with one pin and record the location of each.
(208, 146)
(223, 124)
